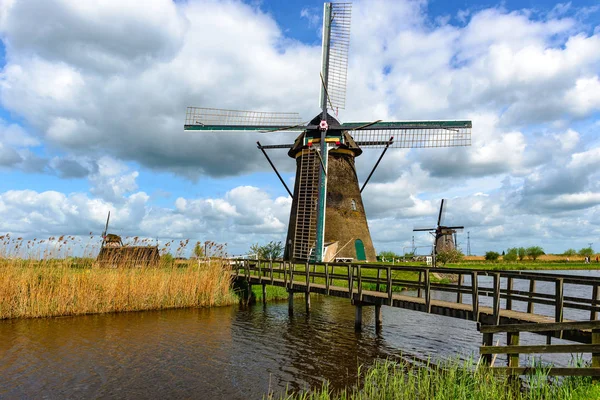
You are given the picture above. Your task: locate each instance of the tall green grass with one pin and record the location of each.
(450, 380)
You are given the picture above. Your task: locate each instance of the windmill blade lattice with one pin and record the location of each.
(335, 53)
(216, 119)
(413, 134)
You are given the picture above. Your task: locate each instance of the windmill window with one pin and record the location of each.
(353, 204)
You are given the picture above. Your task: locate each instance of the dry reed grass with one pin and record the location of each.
(44, 281)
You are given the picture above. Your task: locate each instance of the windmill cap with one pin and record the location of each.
(332, 122)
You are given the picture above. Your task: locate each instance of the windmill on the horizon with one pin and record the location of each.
(327, 219)
(445, 236)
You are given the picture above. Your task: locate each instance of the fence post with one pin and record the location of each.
(271, 269)
(595, 340)
(496, 298)
(327, 278)
(459, 294)
(427, 291)
(350, 280)
(419, 286)
(530, 303)
(307, 270)
(488, 340)
(359, 273)
(378, 275)
(509, 288)
(475, 294)
(259, 272)
(389, 286)
(292, 267)
(513, 340)
(559, 303)
(594, 313)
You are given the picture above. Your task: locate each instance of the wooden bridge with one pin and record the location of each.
(493, 302)
(499, 301)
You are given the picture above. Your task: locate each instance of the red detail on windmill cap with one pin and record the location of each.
(309, 144)
(323, 125)
(338, 143)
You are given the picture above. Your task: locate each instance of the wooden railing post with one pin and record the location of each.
(594, 313)
(307, 270)
(427, 291)
(496, 304)
(327, 278)
(350, 280)
(389, 286)
(530, 303)
(595, 340)
(509, 288)
(488, 340)
(285, 273)
(259, 272)
(271, 269)
(292, 267)
(359, 282)
(378, 276)
(558, 312)
(475, 294)
(513, 340)
(460, 283)
(420, 283)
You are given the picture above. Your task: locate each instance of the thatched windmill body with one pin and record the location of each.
(327, 219)
(444, 236)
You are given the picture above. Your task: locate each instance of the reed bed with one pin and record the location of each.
(451, 380)
(41, 279)
(48, 291)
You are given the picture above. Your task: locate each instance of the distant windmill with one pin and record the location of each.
(109, 239)
(114, 254)
(445, 236)
(327, 218)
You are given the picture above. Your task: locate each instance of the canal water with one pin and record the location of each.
(220, 353)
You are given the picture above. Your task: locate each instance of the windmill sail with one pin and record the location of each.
(216, 119)
(412, 134)
(334, 65)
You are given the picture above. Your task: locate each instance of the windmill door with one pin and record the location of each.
(360, 250)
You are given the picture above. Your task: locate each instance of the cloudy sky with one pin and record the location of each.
(93, 98)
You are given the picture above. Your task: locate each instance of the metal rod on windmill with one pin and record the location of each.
(327, 209)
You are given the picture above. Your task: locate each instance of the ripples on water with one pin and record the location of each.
(228, 352)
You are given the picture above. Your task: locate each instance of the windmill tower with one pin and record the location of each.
(445, 236)
(327, 219)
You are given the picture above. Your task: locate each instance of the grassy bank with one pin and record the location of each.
(524, 265)
(58, 288)
(452, 380)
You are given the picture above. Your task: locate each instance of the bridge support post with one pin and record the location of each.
(378, 318)
(264, 294)
(358, 317)
(290, 303)
(307, 301)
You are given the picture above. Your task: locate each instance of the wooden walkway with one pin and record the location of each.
(377, 285)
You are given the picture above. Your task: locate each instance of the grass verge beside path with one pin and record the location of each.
(58, 290)
(451, 380)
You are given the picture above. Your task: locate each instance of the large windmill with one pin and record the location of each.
(327, 219)
(445, 236)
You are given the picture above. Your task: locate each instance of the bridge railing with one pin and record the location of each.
(505, 290)
(513, 349)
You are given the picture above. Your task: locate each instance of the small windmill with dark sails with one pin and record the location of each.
(327, 219)
(444, 236)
